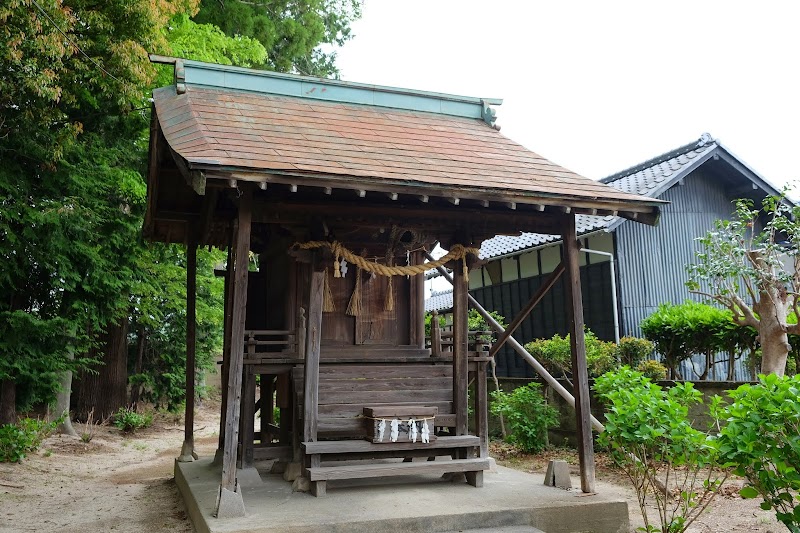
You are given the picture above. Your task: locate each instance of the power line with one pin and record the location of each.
(68, 38)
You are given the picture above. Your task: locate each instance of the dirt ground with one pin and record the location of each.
(727, 512)
(123, 483)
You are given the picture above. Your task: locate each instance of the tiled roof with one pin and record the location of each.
(439, 301)
(215, 128)
(646, 179)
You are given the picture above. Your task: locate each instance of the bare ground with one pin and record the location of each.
(123, 483)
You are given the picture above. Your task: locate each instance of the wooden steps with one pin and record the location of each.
(364, 446)
(361, 471)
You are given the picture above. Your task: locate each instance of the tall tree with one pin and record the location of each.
(737, 258)
(72, 108)
(290, 30)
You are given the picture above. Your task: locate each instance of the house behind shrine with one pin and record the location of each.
(700, 180)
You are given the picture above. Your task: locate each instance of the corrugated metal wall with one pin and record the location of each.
(652, 261)
(549, 317)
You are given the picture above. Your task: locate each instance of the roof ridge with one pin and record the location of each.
(704, 140)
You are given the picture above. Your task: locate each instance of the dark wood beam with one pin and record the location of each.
(580, 374)
(187, 451)
(312, 355)
(523, 314)
(460, 334)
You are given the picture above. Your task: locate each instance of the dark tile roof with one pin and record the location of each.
(646, 179)
(439, 301)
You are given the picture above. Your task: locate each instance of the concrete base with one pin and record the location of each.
(508, 499)
(187, 452)
(230, 504)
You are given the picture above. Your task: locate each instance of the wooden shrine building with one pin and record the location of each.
(340, 190)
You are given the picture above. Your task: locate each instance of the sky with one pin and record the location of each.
(598, 87)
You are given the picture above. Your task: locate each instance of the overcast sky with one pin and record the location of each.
(600, 86)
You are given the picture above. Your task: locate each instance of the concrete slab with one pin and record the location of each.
(508, 499)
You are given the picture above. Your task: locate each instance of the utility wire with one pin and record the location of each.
(68, 38)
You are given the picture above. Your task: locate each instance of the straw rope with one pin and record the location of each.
(457, 251)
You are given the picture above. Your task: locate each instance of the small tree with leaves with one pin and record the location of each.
(744, 269)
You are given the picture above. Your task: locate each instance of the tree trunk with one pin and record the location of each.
(774, 351)
(772, 309)
(63, 398)
(141, 344)
(106, 390)
(8, 402)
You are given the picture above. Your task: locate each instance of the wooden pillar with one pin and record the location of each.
(226, 344)
(416, 306)
(236, 340)
(578, 345)
(312, 345)
(481, 406)
(460, 363)
(187, 451)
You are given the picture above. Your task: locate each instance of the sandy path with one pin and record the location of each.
(117, 482)
(123, 483)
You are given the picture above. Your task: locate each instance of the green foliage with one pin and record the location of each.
(632, 350)
(527, 412)
(650, 368)
(649, 435)
(476, 322)
(24, 437)
(742, 265)
(429, 320)
(159, 316)
(680, 331)
(555, 354)
(206, 42)
(762, 439)
(128, 420)
(290, 30)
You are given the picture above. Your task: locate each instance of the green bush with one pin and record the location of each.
(650, 436)
(762, 440)
(652, 369)
(527, 412)
(128, 420)
(555, 354)
(18, 440)
(632, 350)
(680, 331)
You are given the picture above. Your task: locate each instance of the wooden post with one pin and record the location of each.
(187, 450)
(226, 344)
(481, 407)
(236, 340)
(417, 304)
(578, 345)
(436, 335)
(311, 376)
(460, 363)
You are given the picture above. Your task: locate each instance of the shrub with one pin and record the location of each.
(128, 420)
(632, 350)
(18, 440)
(652, 369)
(680, 331)
(555, 354)
(762, 440)
(527, 412)
(650, 436)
